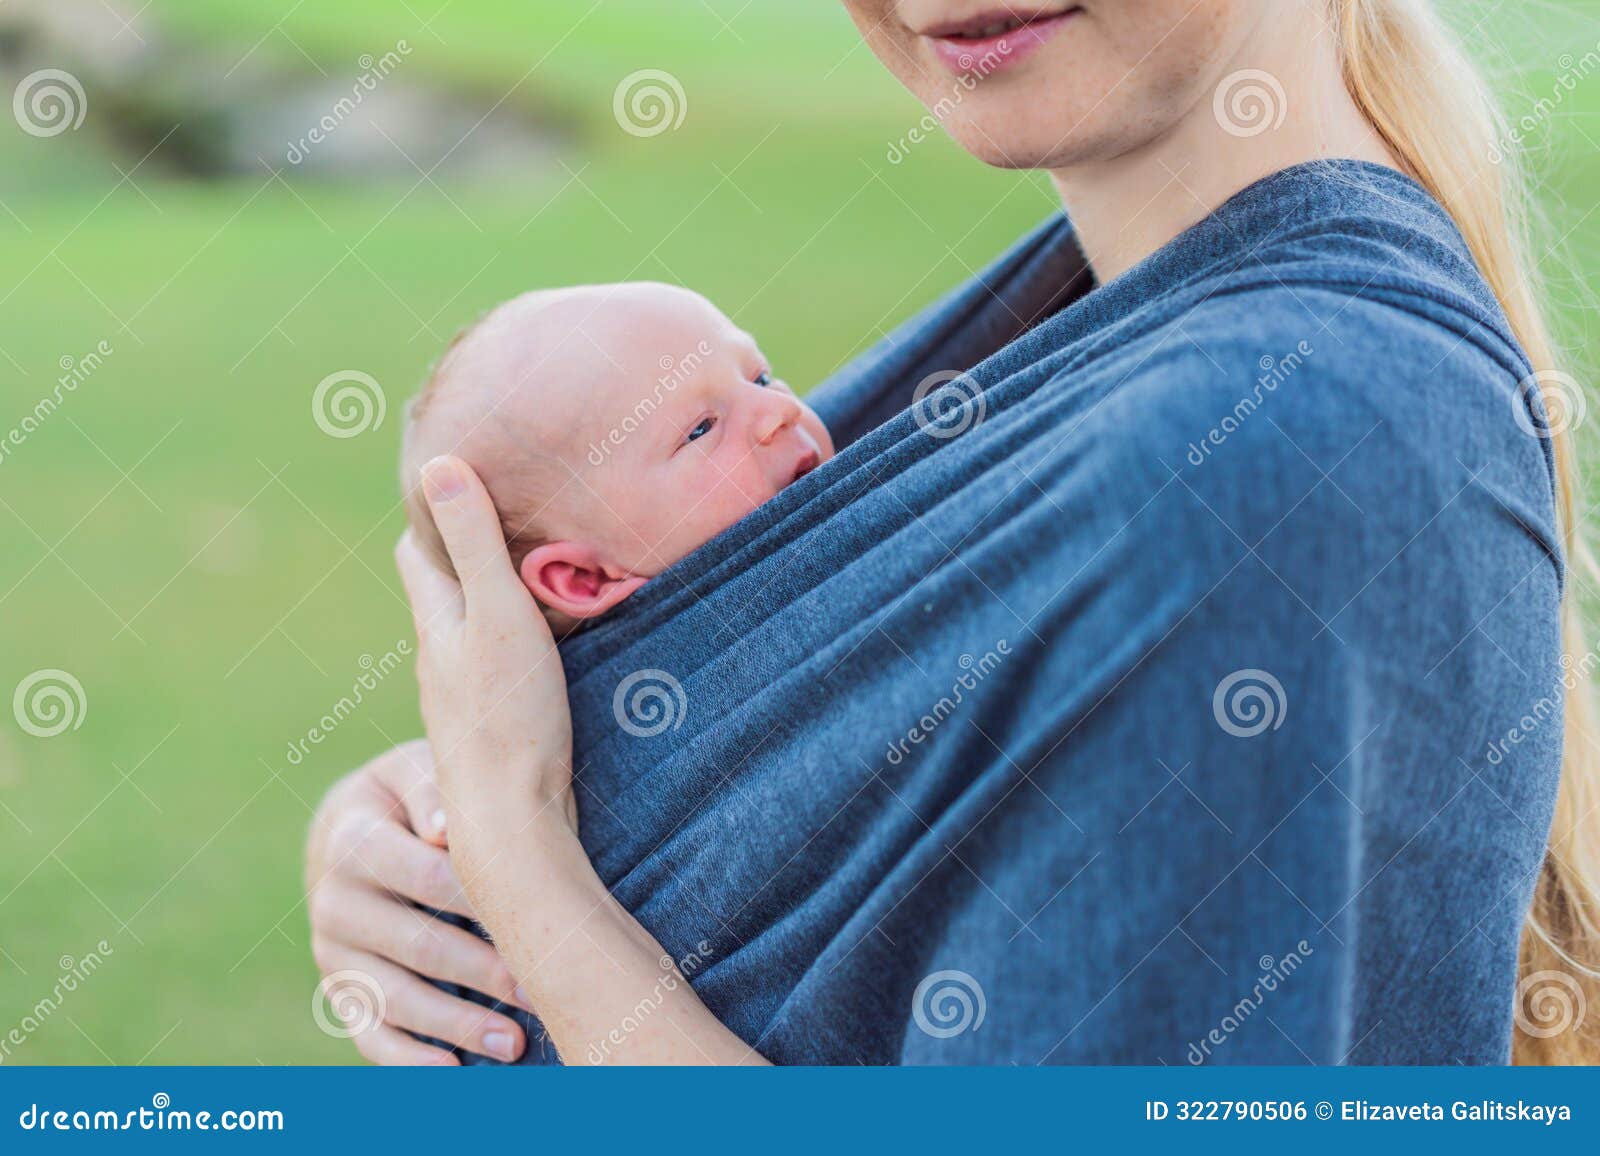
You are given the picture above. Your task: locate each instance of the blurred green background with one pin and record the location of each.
(213, 568)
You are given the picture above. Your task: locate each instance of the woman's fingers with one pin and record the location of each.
(419, 1007)
(392, 1048)
(388, 855)
(407, 773)
(379, 1041)
(471, 530)
(359, 858)
(430, 947)
(435, 596)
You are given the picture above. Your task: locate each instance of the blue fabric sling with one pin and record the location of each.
(1159, 682)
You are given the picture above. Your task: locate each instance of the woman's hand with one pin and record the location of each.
(376, 847)
(494, 698)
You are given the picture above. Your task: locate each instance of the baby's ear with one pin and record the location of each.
(571, 579)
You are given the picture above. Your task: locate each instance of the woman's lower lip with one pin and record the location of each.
(993, 53)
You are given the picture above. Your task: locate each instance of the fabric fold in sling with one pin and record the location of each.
(1120, 692)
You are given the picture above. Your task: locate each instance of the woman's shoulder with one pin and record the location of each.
(1321, 249)
(1358, 368)
(1359, 304)
(1357, 229)
(1319, 356)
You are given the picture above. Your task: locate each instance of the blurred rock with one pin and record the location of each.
(345, 129)
(105, 37)
(216, 110)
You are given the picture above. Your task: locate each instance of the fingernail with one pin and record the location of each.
(522, 998)
(498, 1044)
(441, 480)
(438, 821)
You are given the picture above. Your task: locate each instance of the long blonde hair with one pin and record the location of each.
(1432, 107)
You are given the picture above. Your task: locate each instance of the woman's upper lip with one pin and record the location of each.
(971, 26)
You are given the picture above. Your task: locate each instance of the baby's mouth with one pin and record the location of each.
(809, 462)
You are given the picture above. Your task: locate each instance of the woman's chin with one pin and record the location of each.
(1012, 135)
(1005, 141)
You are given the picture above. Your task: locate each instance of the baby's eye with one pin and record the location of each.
(702, 429)
(764, 378)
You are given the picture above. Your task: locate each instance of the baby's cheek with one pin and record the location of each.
(738, 494)
(711, 506)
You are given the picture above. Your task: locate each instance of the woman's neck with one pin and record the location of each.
(1126, 207)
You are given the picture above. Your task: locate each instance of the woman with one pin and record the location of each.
(1271, 469)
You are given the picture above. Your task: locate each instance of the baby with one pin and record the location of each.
(617, 428)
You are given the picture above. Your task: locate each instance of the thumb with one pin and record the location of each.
(470, 527)
(407, 773)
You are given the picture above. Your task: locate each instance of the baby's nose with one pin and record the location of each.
(778, 412)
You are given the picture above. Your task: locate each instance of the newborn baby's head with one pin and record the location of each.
(617, 428)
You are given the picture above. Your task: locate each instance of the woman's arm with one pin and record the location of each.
(603, 987)
(494, 699)
(374, 850)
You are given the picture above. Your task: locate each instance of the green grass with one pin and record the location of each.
(736, 60)
(212, 567)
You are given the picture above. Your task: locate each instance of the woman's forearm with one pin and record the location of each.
(602, 986)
